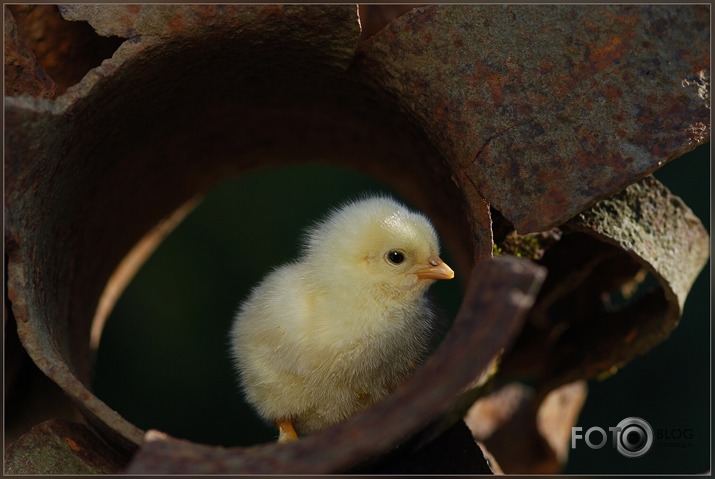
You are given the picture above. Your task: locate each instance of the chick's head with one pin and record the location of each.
(377, 243)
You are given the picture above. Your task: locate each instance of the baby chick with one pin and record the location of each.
(326, 336)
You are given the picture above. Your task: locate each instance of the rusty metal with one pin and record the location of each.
(66, 51)
(23, 73)
(538, 111)
(548, 109)
(608, 250)
(526, 433)
(60, 447)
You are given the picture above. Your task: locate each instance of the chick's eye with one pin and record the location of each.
(395, 257)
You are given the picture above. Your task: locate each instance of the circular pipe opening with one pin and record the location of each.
(180, 118)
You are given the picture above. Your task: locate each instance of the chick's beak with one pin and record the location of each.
(437, 269)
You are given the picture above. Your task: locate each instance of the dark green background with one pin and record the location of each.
(163, 360)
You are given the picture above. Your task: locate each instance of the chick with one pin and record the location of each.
(326, 336)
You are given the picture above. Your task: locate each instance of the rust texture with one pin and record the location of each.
(528, 434)
(548, 109)
(65, 50)
(23, 73)
(607, 251)
(545, 113)
(60, 447)
(654, 225)
(172, 22)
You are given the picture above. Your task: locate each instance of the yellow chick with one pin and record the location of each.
(326, 336)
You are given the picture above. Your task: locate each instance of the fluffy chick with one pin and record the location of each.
(326, 336)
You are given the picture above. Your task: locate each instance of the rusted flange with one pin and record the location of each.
(619, 273)
(548, 109)
(655, 233)
(599, 268)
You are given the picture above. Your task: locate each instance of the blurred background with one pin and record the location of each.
(163, 359)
